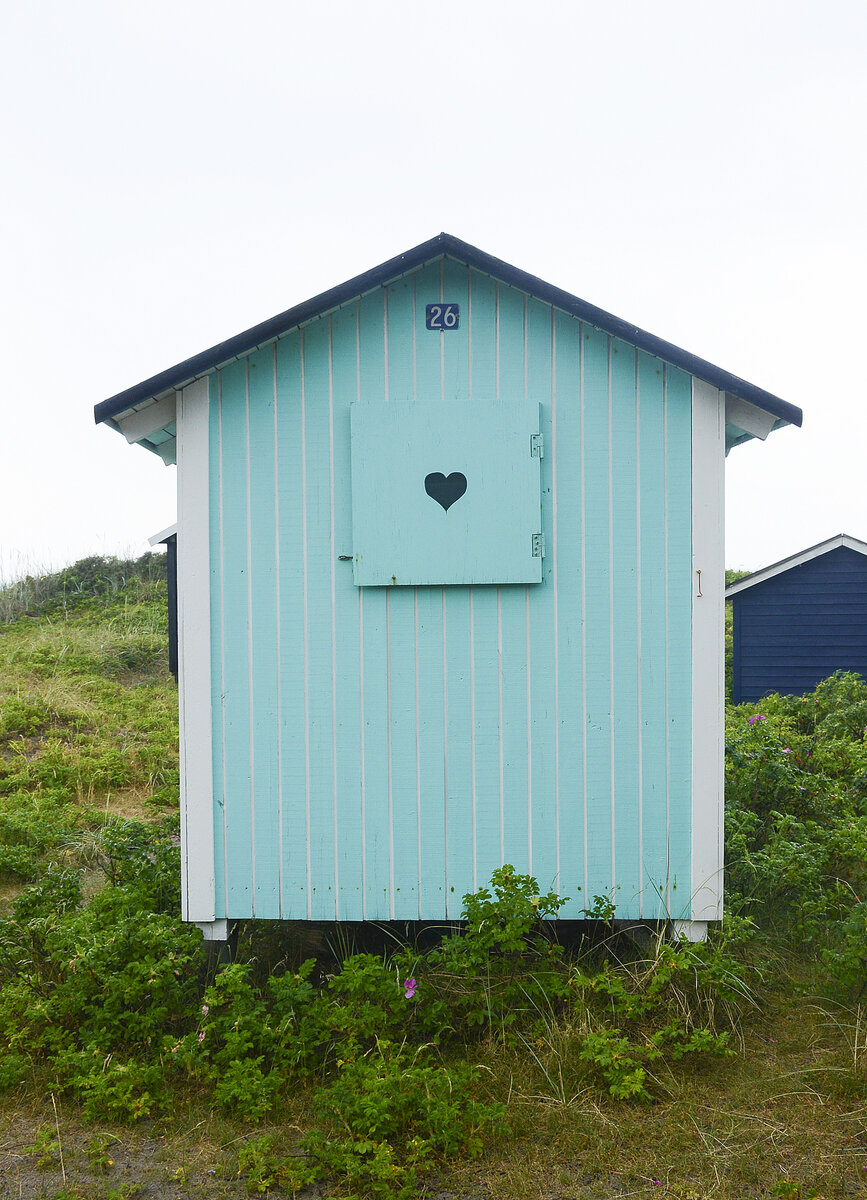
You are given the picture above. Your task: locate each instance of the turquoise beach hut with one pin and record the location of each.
(450, 593)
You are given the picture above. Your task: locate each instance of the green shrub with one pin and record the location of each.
(796, 779)
(846, 959)
(498, 969)
(94, 990)
(265, 1168)
(393, 1113)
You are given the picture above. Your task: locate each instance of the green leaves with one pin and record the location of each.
(796, 827)
(394, 1112)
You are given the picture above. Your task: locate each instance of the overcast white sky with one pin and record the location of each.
(173, 172)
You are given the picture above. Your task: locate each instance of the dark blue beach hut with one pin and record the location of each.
(800, 620)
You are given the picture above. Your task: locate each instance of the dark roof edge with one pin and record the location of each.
(791, 561)
(443, 243)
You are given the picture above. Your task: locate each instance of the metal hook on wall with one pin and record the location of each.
(698, 573)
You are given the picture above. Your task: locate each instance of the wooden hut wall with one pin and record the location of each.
(794, 630)
(379, 751)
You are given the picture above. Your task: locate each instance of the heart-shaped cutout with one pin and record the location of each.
(445, 489)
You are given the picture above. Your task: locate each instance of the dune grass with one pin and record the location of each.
(132, 1062)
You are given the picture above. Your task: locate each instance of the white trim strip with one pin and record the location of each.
(251, 716)
(446, 758)
(497, 333)
(527, 658)
(500, 719)
(499, 618)
(361, 753)
(708, 491)
(278, 640)
(304, 588)
(361, 748)
(469, 333)
(638, 617)
(414, 350)
(556, 606)
(222, 643)
(384, 343)
(665, 556)
(332, 552)
(388, 728)
(194, 655)
(473, 785)
(390, 753)
(611, 688)
(417, 748)
(583, 616)
(528, 673)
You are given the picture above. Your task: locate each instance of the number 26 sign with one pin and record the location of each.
(442, 317)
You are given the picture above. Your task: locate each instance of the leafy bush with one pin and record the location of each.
(116, 999)
(394, 1112)
(498, 969)
(110, 998)
(264, 1167)
(94, 989)
(846, 960)
(796, 770)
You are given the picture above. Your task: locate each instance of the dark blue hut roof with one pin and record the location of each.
(795, 560)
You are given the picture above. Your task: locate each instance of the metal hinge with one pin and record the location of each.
(538, 545)
(537, 445)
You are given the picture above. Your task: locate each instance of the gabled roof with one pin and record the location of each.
(796, 560)
(444, 244)
(158, 539)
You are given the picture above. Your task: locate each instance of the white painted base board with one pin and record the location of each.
(693, 931)
(214, 931)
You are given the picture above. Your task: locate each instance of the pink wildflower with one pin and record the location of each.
(756, 717)
(201, 1036)
(409, 987)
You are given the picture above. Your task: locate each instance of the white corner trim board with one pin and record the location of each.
(708, 711)
(194, 656)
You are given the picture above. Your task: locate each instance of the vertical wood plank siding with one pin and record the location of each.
(379, 751)
(797, 628)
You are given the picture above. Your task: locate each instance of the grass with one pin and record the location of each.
(88, 760)
(735, 1131)
(88, 718)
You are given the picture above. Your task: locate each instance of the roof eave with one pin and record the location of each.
(190, 369)
(795, 560)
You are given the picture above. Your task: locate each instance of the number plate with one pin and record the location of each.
(442, 317)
